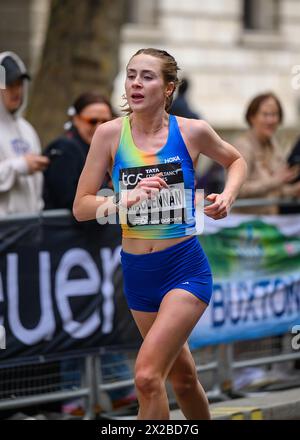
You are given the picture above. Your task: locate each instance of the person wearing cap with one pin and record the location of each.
(21, 162)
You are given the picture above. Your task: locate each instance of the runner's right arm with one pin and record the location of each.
(87, 202)
(97, 163)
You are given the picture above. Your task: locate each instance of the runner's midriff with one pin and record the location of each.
(141, 246)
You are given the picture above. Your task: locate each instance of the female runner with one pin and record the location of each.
(167, 279)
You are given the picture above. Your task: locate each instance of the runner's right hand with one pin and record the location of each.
(147, 188)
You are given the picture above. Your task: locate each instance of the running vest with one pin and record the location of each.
(172, 213)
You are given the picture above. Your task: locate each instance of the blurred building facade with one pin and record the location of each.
(229, 49)
(23, 24)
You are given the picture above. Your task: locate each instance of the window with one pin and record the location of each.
(261, 15)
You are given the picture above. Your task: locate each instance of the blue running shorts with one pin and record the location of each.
(149, 277)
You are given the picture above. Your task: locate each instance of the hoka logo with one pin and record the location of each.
(172, 159)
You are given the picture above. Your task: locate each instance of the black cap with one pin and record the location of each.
(12, 70)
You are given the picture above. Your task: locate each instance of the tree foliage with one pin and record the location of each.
(80, 54)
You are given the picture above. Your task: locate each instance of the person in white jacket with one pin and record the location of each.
(21, 162)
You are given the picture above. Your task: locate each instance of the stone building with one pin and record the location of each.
(23, 25)
(229, 49)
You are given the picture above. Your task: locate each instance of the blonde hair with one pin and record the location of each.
(169, 69)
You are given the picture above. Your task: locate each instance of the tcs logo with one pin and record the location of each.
(131, 179)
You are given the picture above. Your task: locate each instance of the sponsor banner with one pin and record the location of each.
(2, 338)
(256, 266)
(61, 290)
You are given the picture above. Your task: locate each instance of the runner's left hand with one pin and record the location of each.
(220, 206)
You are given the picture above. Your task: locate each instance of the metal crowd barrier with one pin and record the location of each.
(218, 363)
(34, 390)
(239, 203)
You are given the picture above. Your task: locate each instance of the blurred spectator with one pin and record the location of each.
(20, 160)
(180, 106)
(268, 174)
(69, 151)
(212, 180)
(293, 159)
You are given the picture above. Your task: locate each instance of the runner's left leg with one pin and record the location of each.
(178, 314)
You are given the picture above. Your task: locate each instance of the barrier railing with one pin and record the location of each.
(239, 203)
(220, 366)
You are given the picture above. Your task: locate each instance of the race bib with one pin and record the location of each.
(167, 207)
